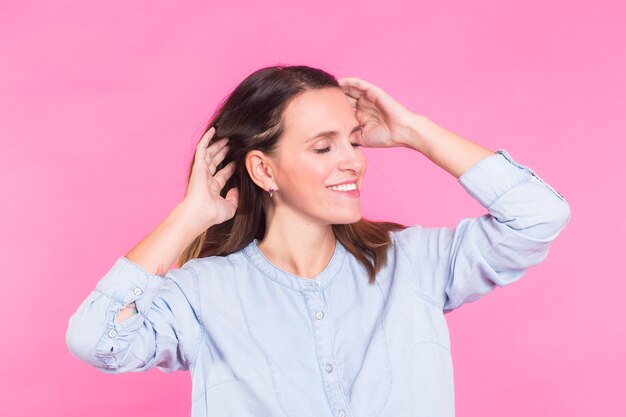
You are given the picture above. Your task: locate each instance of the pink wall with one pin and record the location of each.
(102, 102)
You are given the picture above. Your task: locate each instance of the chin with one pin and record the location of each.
(347, 219)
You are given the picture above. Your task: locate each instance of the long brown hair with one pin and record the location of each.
(252, 117)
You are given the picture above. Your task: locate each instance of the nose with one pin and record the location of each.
(352, 159)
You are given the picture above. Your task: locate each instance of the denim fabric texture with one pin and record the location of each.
(259, 341)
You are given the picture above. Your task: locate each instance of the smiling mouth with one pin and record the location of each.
(343, 187)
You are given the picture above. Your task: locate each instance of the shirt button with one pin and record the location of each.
(341, 413)
(319, 315)
(329, 368)
(137, 291)
(112, 333)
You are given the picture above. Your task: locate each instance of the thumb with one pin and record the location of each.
(232, 197)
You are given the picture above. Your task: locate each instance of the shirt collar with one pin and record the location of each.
(276, 274)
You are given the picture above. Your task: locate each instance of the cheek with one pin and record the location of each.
(306, 174)
(363, 161)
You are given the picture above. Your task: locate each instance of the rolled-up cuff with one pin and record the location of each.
(493, 176)
(127, 282)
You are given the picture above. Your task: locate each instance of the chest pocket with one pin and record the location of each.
(210, 370)
(428, 324)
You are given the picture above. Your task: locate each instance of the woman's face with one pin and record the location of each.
(318, 149)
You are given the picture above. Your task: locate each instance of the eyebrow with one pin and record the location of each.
(332, 133)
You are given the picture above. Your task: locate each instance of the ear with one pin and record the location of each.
(259, 168)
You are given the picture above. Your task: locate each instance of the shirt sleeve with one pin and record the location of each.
(163, 333)
(525, 215)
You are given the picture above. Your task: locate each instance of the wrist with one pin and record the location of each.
(416, 137)
(189, 218)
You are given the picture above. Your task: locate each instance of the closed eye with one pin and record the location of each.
(326, 149)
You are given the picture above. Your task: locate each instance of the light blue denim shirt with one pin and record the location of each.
(259, 341)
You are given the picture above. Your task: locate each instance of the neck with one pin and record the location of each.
(302, 248)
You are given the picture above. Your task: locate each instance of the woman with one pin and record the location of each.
(285, 301)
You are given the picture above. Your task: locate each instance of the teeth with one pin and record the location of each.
(343, 187)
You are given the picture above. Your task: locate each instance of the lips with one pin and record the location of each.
(346, 188)
(352, 181)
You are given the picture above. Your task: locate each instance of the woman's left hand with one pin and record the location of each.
(385, 122)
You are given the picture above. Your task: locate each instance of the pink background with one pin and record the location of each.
(102, 103)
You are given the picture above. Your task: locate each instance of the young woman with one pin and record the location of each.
(285, 301)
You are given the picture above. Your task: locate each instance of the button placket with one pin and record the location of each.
(313, 285)
(325, 354)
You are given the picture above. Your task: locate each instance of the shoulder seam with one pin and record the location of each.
(198, 338)
(418, 292)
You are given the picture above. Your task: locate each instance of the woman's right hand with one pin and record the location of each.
(203, 191)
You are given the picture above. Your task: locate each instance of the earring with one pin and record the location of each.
(272, 189)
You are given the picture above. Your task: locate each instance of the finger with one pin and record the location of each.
(353, 92)
(232, 197)
(212, 163)
(208, 134)
(203, 143)
(346, 80)
(356, 87)
(359, 137)
(353, 102)
(206, 137)
(211, 168)
(205, 147)
(351, 87)
(198, 174)
(354, 82)
(219, 156)
(216, 147)
(222, 176)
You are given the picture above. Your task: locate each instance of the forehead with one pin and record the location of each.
(317, 110)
